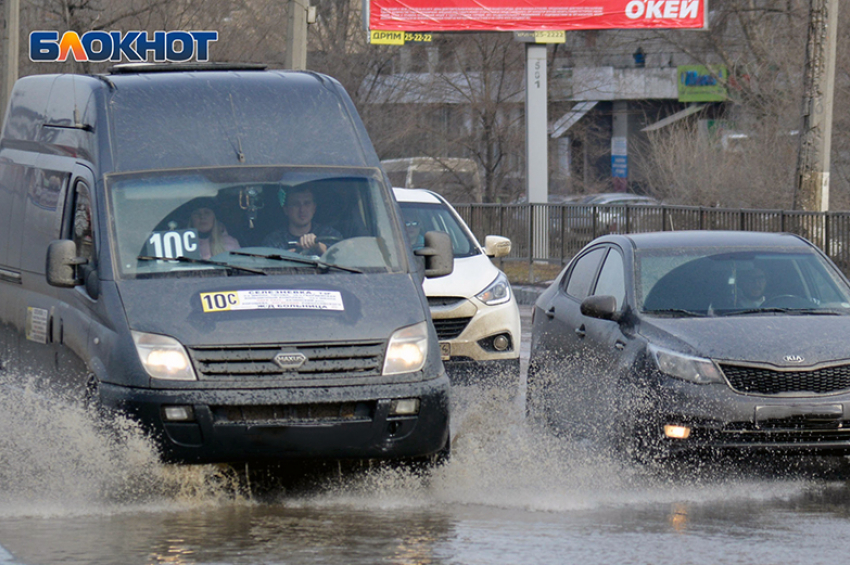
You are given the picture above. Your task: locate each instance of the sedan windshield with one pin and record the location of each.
(716, 282)
(251, 220)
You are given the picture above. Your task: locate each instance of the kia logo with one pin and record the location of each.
(289, 361)
(793, 359)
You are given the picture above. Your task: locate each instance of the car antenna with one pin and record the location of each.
(78, 124)
(239, 154)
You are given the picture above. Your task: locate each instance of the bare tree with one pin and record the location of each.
(490, 83)
(748, 157)
(460, 97)
(689, 169)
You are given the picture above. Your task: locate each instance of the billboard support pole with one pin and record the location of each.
(536, 144)
(296, 35)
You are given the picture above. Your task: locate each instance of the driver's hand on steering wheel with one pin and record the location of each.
(308, 242)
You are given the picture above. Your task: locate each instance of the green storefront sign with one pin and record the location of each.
(700, 83)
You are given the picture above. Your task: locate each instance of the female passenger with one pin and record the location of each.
(212, 235)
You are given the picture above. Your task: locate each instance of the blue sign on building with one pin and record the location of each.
(619, 157)
(620, 166)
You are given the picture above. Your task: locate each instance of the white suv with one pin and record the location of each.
(474, 309)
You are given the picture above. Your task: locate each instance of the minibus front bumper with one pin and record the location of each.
(399, 421)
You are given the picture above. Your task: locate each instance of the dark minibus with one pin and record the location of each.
(153, 264)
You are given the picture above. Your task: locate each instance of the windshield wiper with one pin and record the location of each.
(682, 311)
(775, 310)
(184, 259)
(302, 260)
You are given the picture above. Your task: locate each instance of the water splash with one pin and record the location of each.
(500, 460)
(57, 458)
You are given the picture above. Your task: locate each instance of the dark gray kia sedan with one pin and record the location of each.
(680, 341)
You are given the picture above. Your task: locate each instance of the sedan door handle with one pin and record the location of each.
(581, 332)
(550, 313)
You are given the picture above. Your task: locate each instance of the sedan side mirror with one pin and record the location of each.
(438, 254)
(603, 307)
(496, 246)
(62, 261)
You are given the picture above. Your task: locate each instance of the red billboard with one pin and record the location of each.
(519, 15)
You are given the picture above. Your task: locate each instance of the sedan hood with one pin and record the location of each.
(757, 338)
(373, 306)
(470, 276)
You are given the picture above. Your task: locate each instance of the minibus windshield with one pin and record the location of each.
(245, 221)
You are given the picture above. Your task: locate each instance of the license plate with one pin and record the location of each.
(823, 414)
(445, 350)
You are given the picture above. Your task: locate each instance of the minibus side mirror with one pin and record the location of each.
(62, 261)
(438, 254)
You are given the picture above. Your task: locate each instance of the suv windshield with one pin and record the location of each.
(715, 281)
(251, 220)
(421, 217)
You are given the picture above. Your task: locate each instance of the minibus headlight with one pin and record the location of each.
(407, 350)
(497, 292)
(163, 357)
(694, 369)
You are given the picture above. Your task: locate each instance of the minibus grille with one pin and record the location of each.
(294, 413)
(319, 360)
(450, 328)
(763, 380)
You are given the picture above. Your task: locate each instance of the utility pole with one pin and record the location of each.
(299, 14)
(812, 190)
(536, 145)
(13, 39)
(536, 123)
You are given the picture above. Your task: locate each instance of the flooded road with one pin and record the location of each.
(509, 495)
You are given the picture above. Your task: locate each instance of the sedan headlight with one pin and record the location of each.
(163, 357)
(407, 350)
(693, 369)
(498, 292)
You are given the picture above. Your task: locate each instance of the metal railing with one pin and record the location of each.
(554, 233)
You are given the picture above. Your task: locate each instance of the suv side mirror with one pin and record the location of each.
(496, 246)
(62, 261)
(603, 307)
(438, 254)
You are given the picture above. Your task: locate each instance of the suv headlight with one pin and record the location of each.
(693, 369)
(407, 350)
(163, 357)
(498, 292)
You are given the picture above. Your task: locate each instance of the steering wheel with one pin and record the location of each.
(328, 240)
(787, 301)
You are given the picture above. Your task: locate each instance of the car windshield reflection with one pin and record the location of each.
(715, 282)
(421, 217)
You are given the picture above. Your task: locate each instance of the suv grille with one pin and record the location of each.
(445, 301)
(761, 380)
(323, 360)
(450, 328)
